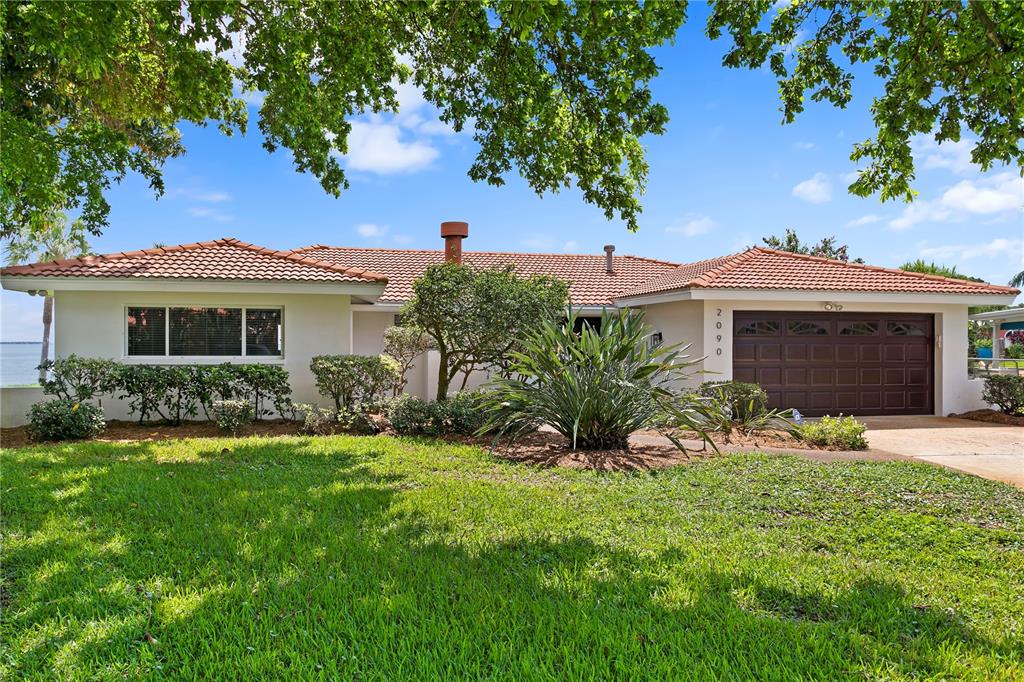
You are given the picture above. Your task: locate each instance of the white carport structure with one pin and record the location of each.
(998, 362)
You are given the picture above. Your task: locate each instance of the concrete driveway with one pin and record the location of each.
(988, 450)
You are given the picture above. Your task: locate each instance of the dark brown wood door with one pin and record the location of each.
(831, 363)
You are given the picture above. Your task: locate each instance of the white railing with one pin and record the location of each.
(986, 367)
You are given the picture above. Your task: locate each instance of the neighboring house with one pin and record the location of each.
(819, 335)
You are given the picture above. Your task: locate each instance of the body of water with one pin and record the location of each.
(18, 362)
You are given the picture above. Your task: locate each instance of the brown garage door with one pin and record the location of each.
(827, 363)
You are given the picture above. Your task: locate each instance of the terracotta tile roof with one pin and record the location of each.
(222, 259)
(761, 268)
(589, 282)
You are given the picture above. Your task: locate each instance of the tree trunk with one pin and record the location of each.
(47, 323)
(443, 379)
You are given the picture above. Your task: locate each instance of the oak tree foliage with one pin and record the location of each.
(557, 91)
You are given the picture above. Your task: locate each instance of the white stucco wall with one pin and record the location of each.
(954, 390)
(681, 322)
(92, 324)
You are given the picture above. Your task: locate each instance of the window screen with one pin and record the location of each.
(206, 331)
(262, 331)
(147, 331)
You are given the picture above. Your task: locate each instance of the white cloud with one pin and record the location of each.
(952, 156)
(851, 177)
(1012, 249)
(804, 145)
(402, 239)
(999, 195)
(816, 189)
(570, 246)
(864, 220)
(920, 211)
(993, 194)
(214, 214)
(692, 227)
(371, 230)
(211, 197)
(379, 147)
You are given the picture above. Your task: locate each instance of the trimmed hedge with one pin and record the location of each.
(348, 379)
(1005, 392)
(460, 414)
(60, 419)
(171, 393)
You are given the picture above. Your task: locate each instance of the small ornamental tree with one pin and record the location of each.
(404, 344)
(475, 318)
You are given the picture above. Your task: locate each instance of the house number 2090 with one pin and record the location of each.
(718, 337)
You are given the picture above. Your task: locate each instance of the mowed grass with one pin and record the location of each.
(375, 558)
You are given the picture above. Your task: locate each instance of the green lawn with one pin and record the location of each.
(374, 558)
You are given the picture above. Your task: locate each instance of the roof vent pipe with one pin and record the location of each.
(609, 249)
(454, 232)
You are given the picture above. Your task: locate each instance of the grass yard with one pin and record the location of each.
(376, 558)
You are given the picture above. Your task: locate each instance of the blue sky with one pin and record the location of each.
(725, 174)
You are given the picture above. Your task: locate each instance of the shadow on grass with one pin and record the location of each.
(267, 561)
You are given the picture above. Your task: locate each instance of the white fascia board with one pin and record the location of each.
(395, 307)
(21, 283)
(825, 295)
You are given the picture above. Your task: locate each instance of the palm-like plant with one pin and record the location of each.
(1018, 280)
(52, 238)
(593, 387)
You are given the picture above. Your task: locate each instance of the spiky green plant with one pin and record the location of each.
(593, 387)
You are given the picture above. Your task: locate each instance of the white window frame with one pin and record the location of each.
(167, 359)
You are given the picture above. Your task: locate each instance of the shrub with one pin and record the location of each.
(1005, 392)
(593, 387)
(462, 414)
(262, 384)
(744, 401)
(1015, 351)
(144, 387)
(411, 416)
(316, 420)
(356, 418)
(845, 433)
(64, 420)
(76, 378)
(346, 379)
(211, 383)
(404, 344)
(232, 415)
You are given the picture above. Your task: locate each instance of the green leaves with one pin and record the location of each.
(476, 317)
(947, 67)
(557, 91)
(593, 387)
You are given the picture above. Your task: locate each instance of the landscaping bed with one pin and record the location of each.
(549, 449)
(992, 416)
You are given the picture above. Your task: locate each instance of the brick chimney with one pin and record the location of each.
(454, 232)
(609, 249)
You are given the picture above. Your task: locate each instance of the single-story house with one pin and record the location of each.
(820, 335)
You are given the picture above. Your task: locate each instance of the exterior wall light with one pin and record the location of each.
(833, 307)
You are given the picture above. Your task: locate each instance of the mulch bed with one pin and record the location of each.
(759, 439)
(549, 449)
(991, 416)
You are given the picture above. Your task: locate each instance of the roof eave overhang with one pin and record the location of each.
(395, 306)
(369, 290)
(815, 295)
